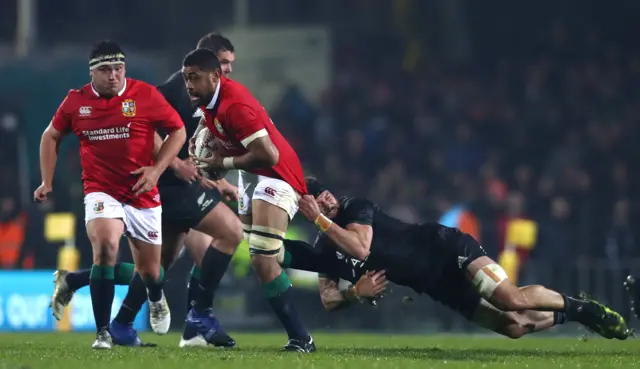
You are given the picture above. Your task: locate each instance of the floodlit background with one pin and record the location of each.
(515, 121)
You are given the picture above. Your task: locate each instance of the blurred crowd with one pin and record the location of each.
(530, 149)
(546, 136)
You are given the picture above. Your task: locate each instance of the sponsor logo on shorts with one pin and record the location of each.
(98, 207)
(129, 108)
(153, 235)
(84, 111)
(270, 191)
(156, 198)
(203, 202)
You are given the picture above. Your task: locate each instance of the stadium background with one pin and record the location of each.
(514, 121)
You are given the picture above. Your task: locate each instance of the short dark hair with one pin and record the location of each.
(105, 47)
(204, 59)
(315, 187)
(215, 42)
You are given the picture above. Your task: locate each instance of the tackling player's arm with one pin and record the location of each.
(248, 128)
(331, 296)
(370, 285)
(355, 238)
(49, 145)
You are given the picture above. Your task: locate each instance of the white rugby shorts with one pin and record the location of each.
(141, 224)
(274, 191)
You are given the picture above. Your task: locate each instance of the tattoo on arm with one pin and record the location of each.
(330, 294)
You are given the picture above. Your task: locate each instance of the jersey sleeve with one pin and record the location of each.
(245, 124)
(359, 211)
(163, 115)
(62, 119)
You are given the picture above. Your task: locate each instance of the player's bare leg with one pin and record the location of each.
(492, 283)
(513, 324)
(104, 235)
(212, 261)
(267, 233)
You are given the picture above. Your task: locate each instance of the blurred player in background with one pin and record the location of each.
(449, 266)
(269, 198)
(191, 204)
(115, 119)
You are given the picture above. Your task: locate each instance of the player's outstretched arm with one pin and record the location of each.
(49, 144)
(370, 285)
(354, 239)
(330, 295)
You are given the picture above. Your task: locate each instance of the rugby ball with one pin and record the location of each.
(205, 147)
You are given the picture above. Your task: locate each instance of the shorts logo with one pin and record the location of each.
(153, 235)
(156, 198)
(129, 108)
(270, 191)
(84, 111)
(98, 207)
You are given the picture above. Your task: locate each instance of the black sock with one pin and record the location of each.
(286, 311)
(192, 292)
(102, 288)
(573, 307)
(559, 317)
(133, 301)
(79, 279)
(213, 267)
(154, 287)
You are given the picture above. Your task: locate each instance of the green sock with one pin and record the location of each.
(277, 286)
(102, 290)
(286, 261)
(124, 273)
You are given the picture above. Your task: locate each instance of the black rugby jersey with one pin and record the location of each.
(175, 92)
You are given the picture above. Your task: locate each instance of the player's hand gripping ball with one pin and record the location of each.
(206, 156)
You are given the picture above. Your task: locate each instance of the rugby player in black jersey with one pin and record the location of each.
(449, 266)
(192, 215)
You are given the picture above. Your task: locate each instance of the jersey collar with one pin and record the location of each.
(124, 87)
(213, 101)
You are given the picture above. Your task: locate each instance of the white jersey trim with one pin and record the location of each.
(252, 137)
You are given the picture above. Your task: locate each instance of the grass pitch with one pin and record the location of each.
(353, 351)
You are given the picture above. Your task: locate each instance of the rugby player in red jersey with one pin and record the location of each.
(269, 195)
(115, 119)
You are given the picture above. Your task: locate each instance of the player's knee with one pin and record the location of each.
(264, 246)
(105, 250)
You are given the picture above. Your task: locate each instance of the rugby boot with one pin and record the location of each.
(103, 340)
(600, 319)
(62, 294)
(633, 289)
(206, 325)
(295, 345)
(160, 316)
(125, 335)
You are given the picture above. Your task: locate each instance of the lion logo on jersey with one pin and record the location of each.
(218, 126)
(129, 108)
